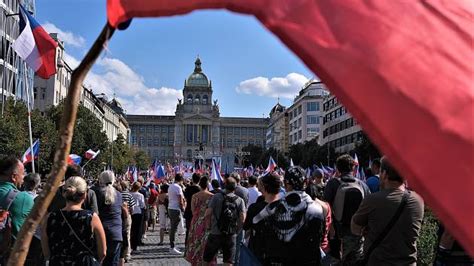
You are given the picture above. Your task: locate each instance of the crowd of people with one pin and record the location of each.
(265, 219)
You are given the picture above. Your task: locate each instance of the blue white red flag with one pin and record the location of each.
(160, 172)
(215, 173)
(35, 46)
(271, 165)
(74, 159)
(28, 155)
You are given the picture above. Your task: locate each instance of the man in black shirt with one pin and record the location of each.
(188, 195)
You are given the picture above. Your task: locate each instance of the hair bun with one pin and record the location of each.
(70, 190)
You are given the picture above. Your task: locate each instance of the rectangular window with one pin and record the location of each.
(237, 131)
(156, 141)
(312, 119)
(312, 106)
(300, 109)
(300, 134)
(244, 131)
(189, 133)
(251, 131)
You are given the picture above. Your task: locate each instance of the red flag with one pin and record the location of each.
(403, 68)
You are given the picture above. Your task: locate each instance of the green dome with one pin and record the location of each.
(197, 78)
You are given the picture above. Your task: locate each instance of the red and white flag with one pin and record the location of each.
(90, 154)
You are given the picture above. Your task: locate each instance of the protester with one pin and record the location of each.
(198, 233)
(226, 212)
(188, 195)
(315, 187)
(31, 184)
(146, 194)
(90, 203)
(373, 182)
(296, 221)
(383, 215)
(243, 193)
(163, 210)
(68, 234)
(262, 243)
(252, 188)
(128, 199)
(216, 187)
(137, 216)
(152, 209)
(17, 203)
(110, 202)
(176, 204)
(345, 194)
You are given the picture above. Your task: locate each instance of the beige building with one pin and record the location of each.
(277, 131)
(305, 114)
(340, 130)
(52, 91)
(196, 130)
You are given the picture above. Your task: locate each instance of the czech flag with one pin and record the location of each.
(160, 172)
(90, 154)
(215, 172)
(28, 155)
(35, 46)
(271, 165)
(74, 159)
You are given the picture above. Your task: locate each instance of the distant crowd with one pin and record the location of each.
(266, 219)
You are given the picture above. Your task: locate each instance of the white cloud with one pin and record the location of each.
(283, 87)
(67, 37)
(112, 76)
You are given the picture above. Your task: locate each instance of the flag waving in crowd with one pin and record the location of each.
(29, 155)
(90, 154)
(35, 46)
(74, 159)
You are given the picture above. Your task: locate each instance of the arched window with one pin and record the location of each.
(190, 98)
(204, 99)
(197, 99)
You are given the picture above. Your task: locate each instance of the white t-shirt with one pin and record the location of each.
(140, 200)
(253, 194)
(174, 193)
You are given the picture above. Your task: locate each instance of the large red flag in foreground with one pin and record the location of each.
(404, 69)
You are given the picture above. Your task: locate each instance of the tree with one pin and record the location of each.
(118, 155)
(141, 159)
(366, 150)
(255, 156)
(15, 139)
(88, 134)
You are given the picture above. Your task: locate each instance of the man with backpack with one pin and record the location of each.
(227, 213)
(15, 205)
(345, 195)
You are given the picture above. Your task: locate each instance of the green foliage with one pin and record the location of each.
(366, 150)
(428, 238)
(311, 153)
(141, 159)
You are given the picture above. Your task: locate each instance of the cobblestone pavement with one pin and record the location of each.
(153, 254)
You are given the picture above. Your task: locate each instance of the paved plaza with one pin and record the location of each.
(153, 254)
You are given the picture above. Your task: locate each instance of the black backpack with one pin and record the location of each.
(229, 217)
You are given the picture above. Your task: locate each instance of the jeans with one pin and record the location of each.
(240, 237)
(175, 218)
(113, 253)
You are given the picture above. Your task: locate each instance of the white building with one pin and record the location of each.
(340, 129)
(50, 92)
(305, 114)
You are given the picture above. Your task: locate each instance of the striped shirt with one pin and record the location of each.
(128, 198)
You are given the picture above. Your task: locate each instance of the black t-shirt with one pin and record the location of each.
(188, 195)
(263, 242)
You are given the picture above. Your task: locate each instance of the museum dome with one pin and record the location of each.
(197, 78)
(277, 108)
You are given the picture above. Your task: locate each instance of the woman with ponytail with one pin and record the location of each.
(109, 201)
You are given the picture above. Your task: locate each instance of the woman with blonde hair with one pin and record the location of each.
(109, 201)
(68, 234)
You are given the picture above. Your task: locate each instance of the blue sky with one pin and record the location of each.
(146, 65)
